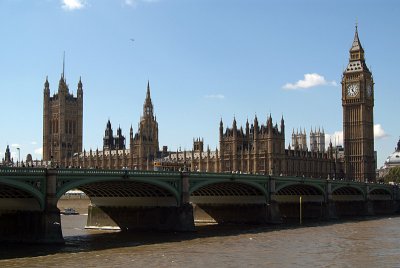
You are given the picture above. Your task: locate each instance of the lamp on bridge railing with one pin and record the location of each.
(19, 156)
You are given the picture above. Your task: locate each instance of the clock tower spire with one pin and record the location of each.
(358, 123)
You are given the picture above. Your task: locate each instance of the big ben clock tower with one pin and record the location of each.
(358, 119)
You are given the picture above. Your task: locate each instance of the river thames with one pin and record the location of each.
(374, 242)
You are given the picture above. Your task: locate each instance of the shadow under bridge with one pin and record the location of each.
(229, 202)
(130, 203)
(288, 199)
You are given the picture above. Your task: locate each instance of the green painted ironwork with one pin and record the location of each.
(67, 180)
(29, 180)
(33, 181)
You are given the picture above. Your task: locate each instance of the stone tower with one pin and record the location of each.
(299, 140)
(144, 145)
(111, 142)
(7, 160)
(255, 149)
(317, 140)
(108, 140)
(358, 111)
(62, 122)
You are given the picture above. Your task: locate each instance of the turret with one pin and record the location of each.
(255, 125)
(80, 88)
(247, 128)
(46, 88)
(221, 129)
(269, 123)
(282, 126)
(62, 86)
(234, 127)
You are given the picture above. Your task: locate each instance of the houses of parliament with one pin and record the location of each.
(258, 147)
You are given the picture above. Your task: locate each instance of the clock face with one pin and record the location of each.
(369, 89)
(352, 90)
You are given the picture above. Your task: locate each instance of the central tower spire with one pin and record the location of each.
(148, 105)
(148, 90)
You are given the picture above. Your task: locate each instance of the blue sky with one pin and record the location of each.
(205, 59)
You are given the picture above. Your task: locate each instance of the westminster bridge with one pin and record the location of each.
(162, 200)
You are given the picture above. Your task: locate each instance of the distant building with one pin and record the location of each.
(299, 140)
(317, 140)
(393, 160)
(7, 160)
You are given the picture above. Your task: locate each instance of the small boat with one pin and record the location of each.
(69, 211)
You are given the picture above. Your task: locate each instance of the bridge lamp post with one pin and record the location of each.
(19, 156)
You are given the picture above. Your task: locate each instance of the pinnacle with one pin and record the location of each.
(356, 46)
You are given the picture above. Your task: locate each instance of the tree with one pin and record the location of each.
(393, 175)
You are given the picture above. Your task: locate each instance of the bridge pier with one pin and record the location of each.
(330, 210)
(273, 212)
(34, 226)
(369, 208)
(30, 227)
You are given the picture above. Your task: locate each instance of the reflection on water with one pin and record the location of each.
(372, 242)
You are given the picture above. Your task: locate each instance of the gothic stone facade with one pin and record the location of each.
(258, 149)
(62, 122)
(143, 148)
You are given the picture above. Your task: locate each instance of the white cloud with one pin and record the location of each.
(131, 3)
(39, 151)
(73, 4)
(310, 80)
(33, 142)
(215, 96)
(15, 145)
(336, 138)
(134, 3)
(379, 132)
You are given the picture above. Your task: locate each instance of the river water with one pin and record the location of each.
(371, 242)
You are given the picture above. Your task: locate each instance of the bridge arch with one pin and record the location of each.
(301, 188)
(22, 195)
(291, 192)
(380, 194)
(228, 192)
(229, 201)
(348, 193)
(379, 191)
(228, 188)
(122, 188)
